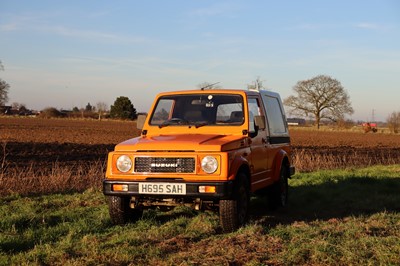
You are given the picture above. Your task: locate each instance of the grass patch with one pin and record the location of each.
(336, 217)
(340, 193)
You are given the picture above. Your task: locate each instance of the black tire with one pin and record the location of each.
(120, 211)
(278, 192)
(233, 213)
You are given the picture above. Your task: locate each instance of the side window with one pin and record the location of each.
(254, 109)
(277, 125)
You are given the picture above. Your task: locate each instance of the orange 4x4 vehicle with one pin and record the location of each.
(208, 149)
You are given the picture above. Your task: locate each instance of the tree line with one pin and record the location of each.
(321, 97)
(121, 109)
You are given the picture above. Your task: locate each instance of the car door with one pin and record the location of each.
(259, 146)
(278, 132)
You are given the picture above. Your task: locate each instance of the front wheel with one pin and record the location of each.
(120, 211)
(233, 213)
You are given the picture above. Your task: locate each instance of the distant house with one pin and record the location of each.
(5, 109)
(296, 121)
(22, 111)
(66, 112)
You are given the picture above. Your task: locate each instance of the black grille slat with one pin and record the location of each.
(164, 165)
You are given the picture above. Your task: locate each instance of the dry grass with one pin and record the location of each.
(79, 176)
(307, 160)
(56, 178)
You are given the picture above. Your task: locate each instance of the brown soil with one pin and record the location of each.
(343, 139)
(27, 141)
(339, 149)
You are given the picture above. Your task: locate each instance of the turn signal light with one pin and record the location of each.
(207, 189)
(120, 187)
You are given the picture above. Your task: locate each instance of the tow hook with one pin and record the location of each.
(197, 204)
(134, 202)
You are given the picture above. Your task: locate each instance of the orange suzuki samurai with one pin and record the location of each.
(208, 149)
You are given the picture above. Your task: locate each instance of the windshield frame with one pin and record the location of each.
(212, 109)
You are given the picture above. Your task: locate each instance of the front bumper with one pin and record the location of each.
(224, 190)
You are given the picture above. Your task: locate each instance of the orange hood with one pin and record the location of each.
(183, 142)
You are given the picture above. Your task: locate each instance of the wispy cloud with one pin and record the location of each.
(41, 25)
(369, 26)
(90, 34)
(65, 31)
(16, 23)
(8, 27)
(146, 64)
(315, 27)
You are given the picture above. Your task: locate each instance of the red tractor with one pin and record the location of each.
(370, 127)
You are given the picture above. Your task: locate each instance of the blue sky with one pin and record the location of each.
(69, 53)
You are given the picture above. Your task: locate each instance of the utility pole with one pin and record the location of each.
(373, 115)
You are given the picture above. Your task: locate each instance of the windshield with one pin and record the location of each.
(198, 110)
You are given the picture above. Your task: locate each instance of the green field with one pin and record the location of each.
(339, 217)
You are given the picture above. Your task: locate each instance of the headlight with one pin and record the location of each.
(209, 164)
(124, 163)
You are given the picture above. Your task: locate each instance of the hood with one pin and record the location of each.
(183, 142)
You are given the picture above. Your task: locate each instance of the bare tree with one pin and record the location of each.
(101, 108)
(3, 89)
(393, 122)
(256, 84)
(15, 105)
(322, 96)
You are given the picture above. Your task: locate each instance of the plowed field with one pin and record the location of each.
(340, 149)
(41, 142)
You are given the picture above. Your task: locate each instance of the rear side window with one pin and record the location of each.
(276, 123)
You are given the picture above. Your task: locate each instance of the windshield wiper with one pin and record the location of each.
(201, 124)
(173, 121)
(164, 124)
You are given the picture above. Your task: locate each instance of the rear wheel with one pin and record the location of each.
(233, 213)
(120, 211)
(278, 192)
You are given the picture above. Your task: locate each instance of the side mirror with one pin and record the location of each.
(259, 121)
(140, 121)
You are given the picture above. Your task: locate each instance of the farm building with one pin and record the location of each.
(296, 121)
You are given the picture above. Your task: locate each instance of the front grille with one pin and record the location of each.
(164, 165)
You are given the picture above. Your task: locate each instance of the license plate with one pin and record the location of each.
(162, 188)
